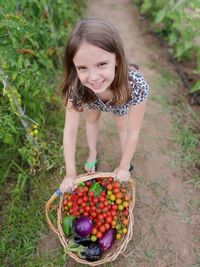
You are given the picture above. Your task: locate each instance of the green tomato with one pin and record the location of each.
(93, 238)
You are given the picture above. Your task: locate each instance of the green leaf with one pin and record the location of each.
(195, 87)
(160, 16)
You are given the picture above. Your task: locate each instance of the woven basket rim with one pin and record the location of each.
(118, 247)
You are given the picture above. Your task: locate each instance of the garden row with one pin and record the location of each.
(33, 35)
(177, 22)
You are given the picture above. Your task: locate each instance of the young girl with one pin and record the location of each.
(98, 77)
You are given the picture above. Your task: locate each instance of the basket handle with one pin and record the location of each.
(48, 209)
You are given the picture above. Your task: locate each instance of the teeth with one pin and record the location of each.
(96, 84)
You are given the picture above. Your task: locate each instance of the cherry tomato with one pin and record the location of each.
(93, 238)
(116, 190)
(96, 200)
(102, 228)
(85, 198)
(112, 197)
(127, 197)
(94, 230)
(109, 187)
(114, 207)
(102, 198)
(79, 201)
(88, 183)
(87, 208)
(124, 230)
(99, 234)
(120, 207)
(113, 223)
(108, 219)
(107, 225)
(118, 201)
(94, 214)
(116, 184)
(103, 193)
(65, 201)
(83, 204)
(119, 195)
(106, 203)
(91, 193)
(125, 221)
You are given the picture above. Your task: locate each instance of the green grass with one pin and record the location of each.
(23, 225)
(185, 123)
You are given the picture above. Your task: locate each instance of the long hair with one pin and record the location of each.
(102, 34)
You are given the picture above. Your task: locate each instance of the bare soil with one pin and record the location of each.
(166, 228)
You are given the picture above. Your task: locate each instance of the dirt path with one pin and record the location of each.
(165, 226)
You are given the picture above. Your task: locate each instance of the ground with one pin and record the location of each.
(166, 228)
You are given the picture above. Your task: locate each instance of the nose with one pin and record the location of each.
(93, 76)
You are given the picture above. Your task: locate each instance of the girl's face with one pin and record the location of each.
(95, 67)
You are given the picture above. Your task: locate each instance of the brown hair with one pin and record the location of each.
(102, 34)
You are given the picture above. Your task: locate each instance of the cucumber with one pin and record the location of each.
(68, 225)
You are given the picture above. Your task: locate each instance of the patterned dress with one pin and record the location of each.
(139, 92)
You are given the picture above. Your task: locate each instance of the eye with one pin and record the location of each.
(102, 64)
(81, 68)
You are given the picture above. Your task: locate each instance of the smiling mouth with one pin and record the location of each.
(95, 85)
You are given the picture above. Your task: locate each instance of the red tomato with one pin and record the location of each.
(108, 219)
(126, 212)
(85, 198)
(81, 210)
(107, 226)
(102, 228)
(99, 234)
(114, 207)
(91, 193)
(109, 187)
(87, 208)
(93, 208)
(116, 190)
(96, 200)
(113, 213)
(86, 213)
(101, 205)
(85, 189)
(94, 231)
(94, 214)
(83, 204)
(88, 183)
(106, 203)
(65, 202)
(103, 193)
(100, 216)
(80, 201)
(102, 199)
(116, 184)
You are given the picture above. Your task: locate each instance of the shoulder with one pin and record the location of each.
(138, 85)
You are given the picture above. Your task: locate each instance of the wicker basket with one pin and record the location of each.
(119, 245)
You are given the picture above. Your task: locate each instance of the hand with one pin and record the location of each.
(122, 174)
(67, 184)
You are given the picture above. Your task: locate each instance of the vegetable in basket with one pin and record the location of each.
(92, 253)
(107, 240)
(84, 241)
(68, 224)
(96, 188)
(83, 226)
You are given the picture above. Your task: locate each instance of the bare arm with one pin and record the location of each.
(135, 119)
(72, 118)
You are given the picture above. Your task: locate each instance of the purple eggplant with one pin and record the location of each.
(107, 240)
(83, 226)
(92, 253)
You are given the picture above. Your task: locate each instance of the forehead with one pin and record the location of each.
(88, 53)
